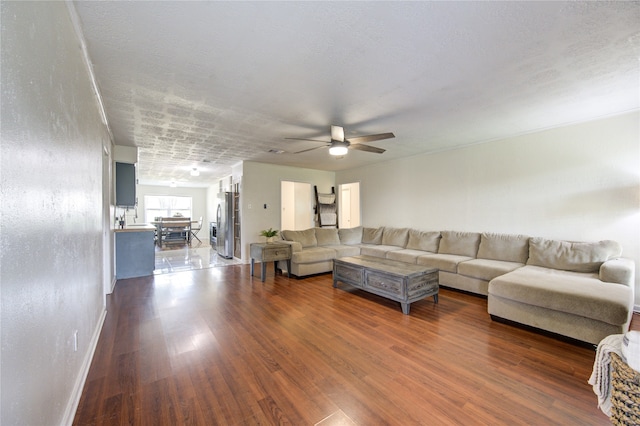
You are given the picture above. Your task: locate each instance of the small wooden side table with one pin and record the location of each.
(270, 252)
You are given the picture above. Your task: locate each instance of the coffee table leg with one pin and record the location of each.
(252, 261)
(405, 308)
(435, 298)
(263, 266)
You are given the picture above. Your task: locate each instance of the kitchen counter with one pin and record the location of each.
(135, 251)
(136, 227)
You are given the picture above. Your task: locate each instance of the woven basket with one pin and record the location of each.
(625, 393)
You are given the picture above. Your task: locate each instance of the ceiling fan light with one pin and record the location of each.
(338, 148)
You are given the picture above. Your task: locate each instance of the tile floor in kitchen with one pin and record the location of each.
(185, 258)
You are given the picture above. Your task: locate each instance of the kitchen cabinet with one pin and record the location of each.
(125, 185)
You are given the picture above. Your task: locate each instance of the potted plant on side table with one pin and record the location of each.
(269, 234)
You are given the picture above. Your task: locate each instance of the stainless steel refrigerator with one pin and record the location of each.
(224, 218)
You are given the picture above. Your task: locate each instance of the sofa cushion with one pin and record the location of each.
(313, 254)
(486, 269)
(327, 236)
(444, 262)
(571, 256)
(395, 237)
(377, 250)
(424, 240)
(307, 237)
(350, 236)
(405, 255)
(344, 250)
(510, 248)
(372, 235)
(459, 243)
(576, 293)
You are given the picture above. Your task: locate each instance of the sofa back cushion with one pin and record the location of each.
(395, 237)
(306, 238)
(572, 256)
(510, 248)
(350, 236)
(459, 243)
(327, 236)
(423, 240)
(372, 235)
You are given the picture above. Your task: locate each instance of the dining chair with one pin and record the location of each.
(196, 228)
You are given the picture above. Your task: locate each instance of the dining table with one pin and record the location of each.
(172, 229)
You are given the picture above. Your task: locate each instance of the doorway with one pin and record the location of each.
(349, 205)
(296, 204)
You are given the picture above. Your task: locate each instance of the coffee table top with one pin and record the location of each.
(386, 265)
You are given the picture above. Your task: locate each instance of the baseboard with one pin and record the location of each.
(74, 400)
(113, 284)
(636, 309)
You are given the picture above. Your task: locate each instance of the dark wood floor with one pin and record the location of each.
(216, 346)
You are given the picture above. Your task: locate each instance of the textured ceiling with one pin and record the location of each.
(210, 84)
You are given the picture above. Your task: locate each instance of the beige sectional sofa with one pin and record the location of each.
(580, 290)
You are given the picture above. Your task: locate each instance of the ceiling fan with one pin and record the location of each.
(339, 145)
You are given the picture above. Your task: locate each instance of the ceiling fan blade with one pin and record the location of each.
(337, 133)
(307, 150)
(367, 148)
(371, 138)
(310, 140)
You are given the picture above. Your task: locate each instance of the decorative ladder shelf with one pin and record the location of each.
(326, 209)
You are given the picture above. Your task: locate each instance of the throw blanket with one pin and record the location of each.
(631, 349)
(601, 376)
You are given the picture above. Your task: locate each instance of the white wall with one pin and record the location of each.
(580, 182)
(260, 186)
(51, 224)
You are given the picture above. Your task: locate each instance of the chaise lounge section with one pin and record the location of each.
(580, 290)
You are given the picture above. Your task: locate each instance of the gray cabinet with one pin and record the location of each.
(125, 185)
(135, 253)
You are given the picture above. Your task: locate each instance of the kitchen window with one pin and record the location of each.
(166, 206)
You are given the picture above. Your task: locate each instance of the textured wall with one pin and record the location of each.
(51, 240)
(579, 182)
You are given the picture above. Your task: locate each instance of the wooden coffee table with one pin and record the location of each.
(399, 281)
